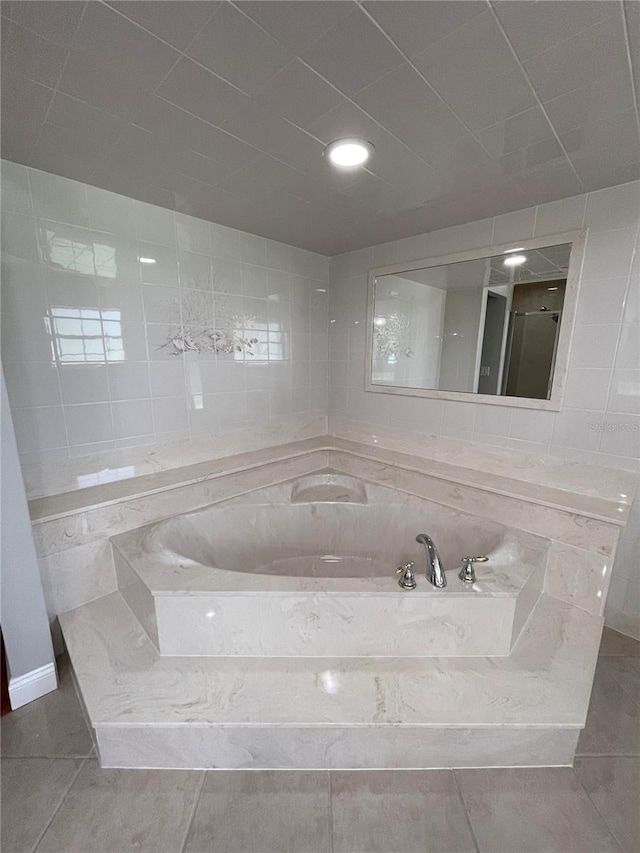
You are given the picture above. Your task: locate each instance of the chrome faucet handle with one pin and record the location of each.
(408, 579)
(467, 572)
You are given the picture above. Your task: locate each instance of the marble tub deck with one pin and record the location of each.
(327, 712)
(229, 605)
(152, 711)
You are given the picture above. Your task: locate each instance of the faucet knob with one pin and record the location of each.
(408, 579)
(467, 572)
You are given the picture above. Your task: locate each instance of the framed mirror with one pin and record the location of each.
(491, 325)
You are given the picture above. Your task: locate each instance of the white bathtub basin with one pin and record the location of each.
(308, 568)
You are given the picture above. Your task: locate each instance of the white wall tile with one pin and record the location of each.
(110, 212)
(131, 418)
(83, 383)
(58, 198)
(587, 388)
(32, 384)
(514, 226)
(155, 224)
(593, 346)
(614, 207)
(170, 413)
(89, 423)
(624, 394)
(14, 186)
(532, 425)
(192, 234)
(39, 428)
(577, 429)
(558, 216)
(129, 380)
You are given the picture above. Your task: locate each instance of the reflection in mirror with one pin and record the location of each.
(486, 326)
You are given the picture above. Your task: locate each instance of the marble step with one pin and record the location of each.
(153, 711)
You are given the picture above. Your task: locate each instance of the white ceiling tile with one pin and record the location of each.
(237, 49)
(200, 92)
(296, 23)
(549, 182)
(533, 28)
(519, 131)
(24, 107)
(181, 130)
(476, 50)
(404, 103)
(353, 54)
(56, 22)
(298, 94)
(620, 130)
(273, 135)
(597, 53)
(114, 64)
(539, 154)
(488, 86)
(596, 100)
(171, 20)
(422, 24)
(27, 55)
(86, 121)
(133, 116)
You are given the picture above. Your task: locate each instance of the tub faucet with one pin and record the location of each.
(435, 571)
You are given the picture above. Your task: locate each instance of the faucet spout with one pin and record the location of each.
(435, 571)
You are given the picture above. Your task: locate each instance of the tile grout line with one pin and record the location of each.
(466, 811)
(329, 772)
(595, 806)
(59, 806)
(196, 801)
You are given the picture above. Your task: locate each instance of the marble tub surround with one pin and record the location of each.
(153, 711)
(500, 468)
(263, 575)
(72, 530)
(251, 695)
(75, 555)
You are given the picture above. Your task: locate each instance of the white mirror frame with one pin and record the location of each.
(554, 403)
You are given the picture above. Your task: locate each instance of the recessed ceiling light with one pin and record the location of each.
(348, 153)
(552, 288)
(147, 260)
(514, 260)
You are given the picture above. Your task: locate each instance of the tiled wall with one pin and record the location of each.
(73, 287)
(603, 383)
(86, 326)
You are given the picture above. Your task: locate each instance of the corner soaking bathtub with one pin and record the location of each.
(308, 568)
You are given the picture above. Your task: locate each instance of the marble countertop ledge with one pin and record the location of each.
(600, 493)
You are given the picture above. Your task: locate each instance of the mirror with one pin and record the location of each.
(495, 322)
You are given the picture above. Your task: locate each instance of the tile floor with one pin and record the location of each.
(56, 798)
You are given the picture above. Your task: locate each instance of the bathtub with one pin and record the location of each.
(309, 568)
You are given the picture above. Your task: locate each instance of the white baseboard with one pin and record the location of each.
(33, 685)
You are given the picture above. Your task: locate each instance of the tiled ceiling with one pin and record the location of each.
(222, 109)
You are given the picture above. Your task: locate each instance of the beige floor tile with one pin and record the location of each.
(32, 790)
(398, 811)
(51, 727)
(613, 783)
(262, 812)
(533, 810)
(613, 721)
(626, 672)
(614, 643)
(113, 811)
